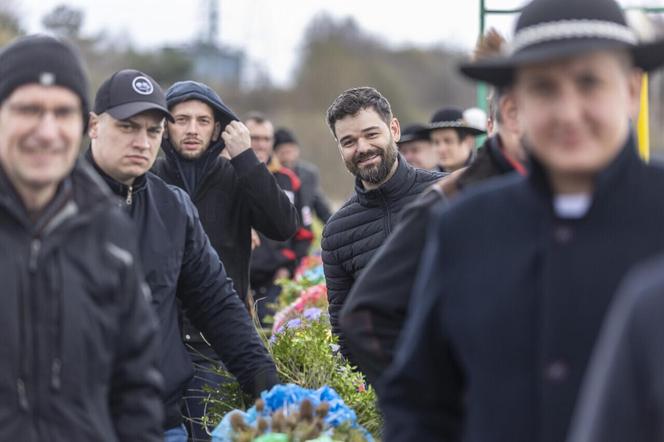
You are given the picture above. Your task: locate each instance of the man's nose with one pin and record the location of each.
(192, 127)
(142, 140)
(47, 129)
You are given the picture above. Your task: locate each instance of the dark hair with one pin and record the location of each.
(352, 101)
(258, 117)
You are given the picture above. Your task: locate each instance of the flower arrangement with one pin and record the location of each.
(292, 413)
(306, 354)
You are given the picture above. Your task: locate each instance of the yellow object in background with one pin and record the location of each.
(643, 129)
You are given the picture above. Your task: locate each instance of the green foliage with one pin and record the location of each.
(307, 355)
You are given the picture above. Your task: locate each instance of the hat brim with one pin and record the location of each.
(499, 71)
(128, 110)
(418, 137)
(441, 125)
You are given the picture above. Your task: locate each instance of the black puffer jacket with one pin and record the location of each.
(180, 262)
(78, 360)
(354, 233)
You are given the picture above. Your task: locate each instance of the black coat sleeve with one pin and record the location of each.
(422, 391)
(375, 310)
(321, 205)
(272, 213)
(212, 305)
(136, 383)
(622, 397)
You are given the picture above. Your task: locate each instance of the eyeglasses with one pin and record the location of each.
(34, 113)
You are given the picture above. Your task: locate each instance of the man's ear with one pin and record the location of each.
(93, 126)
(395, 129)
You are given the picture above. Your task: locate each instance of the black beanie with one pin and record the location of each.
(283, 136)
(44, 60)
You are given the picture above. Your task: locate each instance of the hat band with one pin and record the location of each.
(457, 123)
(566, 29)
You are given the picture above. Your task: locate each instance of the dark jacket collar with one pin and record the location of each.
(393, 189)
(82, 188)
(606, 181)
(203, 165)
(115, 186)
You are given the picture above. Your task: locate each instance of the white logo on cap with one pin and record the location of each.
(142, 85)
(47, 78)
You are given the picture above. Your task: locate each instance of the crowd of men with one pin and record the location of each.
(511, 292)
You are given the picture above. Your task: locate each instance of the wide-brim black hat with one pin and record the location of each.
(413, 132)
(549, 30)
(452, 118)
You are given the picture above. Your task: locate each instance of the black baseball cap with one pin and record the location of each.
(129, 92)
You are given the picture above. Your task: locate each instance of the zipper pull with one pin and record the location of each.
(22, 395)
(35, 247)
(129, 195)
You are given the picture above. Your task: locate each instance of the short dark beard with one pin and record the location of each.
(378, 173)
(187, 155)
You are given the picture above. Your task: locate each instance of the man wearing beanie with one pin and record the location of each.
(126, 128)
(503, 321)
(79, 353)
(287, 150)
(232, 197)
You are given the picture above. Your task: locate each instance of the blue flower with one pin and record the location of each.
(312, 313)
(294, 323)
(290, 396)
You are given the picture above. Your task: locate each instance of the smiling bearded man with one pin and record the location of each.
(366, 132)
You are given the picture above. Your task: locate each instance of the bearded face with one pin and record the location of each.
(374, 165)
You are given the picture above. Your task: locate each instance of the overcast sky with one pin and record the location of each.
(270, 31)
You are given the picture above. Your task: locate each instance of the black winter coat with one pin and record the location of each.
(232, 198)
(312, 193)
(78, 360)
(271, 255)
(623, 394)
(503, 320)
(356, 231)
(374, 313)
(181, 264)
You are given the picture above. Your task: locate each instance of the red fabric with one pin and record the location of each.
(295, 181)
(303, 234)
(289, 254)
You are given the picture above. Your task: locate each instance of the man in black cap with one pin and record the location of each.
(287, 150)
(366, 132)
(453, 138)
(503, 321)
(416, 148)
(80, 342)
(126, 128)
(232, 197)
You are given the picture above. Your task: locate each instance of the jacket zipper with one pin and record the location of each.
(24, 403)
(35, 247)
(129, 195)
